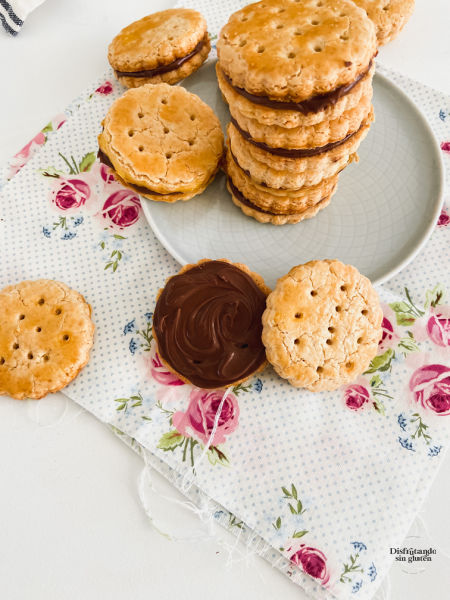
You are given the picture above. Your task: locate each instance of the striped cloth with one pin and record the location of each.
(14, 12)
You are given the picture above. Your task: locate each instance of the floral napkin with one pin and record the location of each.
(321, 485)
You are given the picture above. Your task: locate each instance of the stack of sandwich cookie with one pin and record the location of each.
(162, 141)
(298, 81)
(166, 46)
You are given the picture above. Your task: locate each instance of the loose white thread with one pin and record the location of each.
(188, 478)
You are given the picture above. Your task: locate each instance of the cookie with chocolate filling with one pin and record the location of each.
(165, 46)
(207, 323)
(277, 201)
(389, 16)
(297, 55)
(322, 325)
(162, 141)
(289, 170)
(305, 136)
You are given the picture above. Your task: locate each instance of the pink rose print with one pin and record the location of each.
(106, 173)
(23, 156)
(445, 146)
(198, 420)
(312, 561)
(430, 386)
(444, 219)
(388, 337)
(105, 89)
(356, 396)
(438, 326)
(161, 374)
(70, 194)
(122, 209)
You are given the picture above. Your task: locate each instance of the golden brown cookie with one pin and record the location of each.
(162, 141)
(207, 323)
(389, 16)
(309, 136)
(46, 336)
(293, 118)
(322, 325)
(278, 201)
(293, 173)
(165, 46)
(296, 50)
(262, 216)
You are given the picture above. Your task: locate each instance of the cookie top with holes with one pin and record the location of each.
(389, 16)
(163, 46)
(46, 336)
(322, 325)
(163, 141)
(294, 50)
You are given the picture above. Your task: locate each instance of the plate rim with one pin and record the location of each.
(146, 203)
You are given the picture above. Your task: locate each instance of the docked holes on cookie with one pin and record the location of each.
(131, 133)
(319, 369)
(359, 340)
(364, 312)
(298, 315)
(15, 346)
(349, 365)
(2, 360)
(38, 329)
(313, 293)
(21, 317)
(30, 356)
(65, 337)
(46, 357)
(141, 148)
(260, 49)
(163, 100)
(41, 301)
(140, 115)
(291, 55)
(58, 311)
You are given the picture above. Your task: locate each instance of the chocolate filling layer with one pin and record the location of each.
(140, 189)
(243, 200)
(293, 152)
(311, 105)
(207, 324)
(164, 68)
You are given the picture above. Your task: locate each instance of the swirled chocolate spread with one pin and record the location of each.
(140, 189)
(207, 324)
(311, 105)
(164, 68)
(293, 152)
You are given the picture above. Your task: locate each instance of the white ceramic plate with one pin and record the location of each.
(382, 214)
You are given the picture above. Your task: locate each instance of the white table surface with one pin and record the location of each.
(71, 523)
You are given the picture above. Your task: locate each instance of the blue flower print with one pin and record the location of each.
(357, 586)
(132, 346)
(129, 327)
(401, 419)
(359, 546)
(405, 442)
(69, 235)
(258, 385)
(434, 450)
(46, 232)
(372, 572)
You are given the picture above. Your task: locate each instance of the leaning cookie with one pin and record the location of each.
(165, 46)
(389, 17)
(207, 323)
(46, 336)
(322, 325)
(162, 141)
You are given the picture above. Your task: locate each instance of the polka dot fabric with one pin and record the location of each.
(321, 485)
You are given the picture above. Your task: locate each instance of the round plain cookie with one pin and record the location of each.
(263, 216)
(278, 201)
(294, 50)
(308, 136)
(389, 16)
(207, 323)
(46, 336)
(165, 46)
(322, 325)
(162, 141)
(289, 118)
(293, 173)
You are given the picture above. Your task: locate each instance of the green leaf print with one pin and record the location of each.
(86, 162)
(170, 441)
(435, 296)
(381, 362)
(299, 534)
